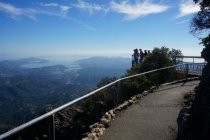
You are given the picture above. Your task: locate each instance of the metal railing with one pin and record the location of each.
(194, 67)
(51, 114)
(193, 59)
(191, 68)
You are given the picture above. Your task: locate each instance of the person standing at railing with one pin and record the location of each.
(133, 61)
(136, 56)
(148, 52)
(141, 53)
(145, 53)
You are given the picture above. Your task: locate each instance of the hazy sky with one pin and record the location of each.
(95, 28)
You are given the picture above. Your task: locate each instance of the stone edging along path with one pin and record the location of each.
(98, 128)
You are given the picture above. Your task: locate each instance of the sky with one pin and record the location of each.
(53, 28)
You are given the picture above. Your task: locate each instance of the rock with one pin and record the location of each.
(86, 138)
(99, 131)
(105, 122)
(92, 136)
(93, 126)
(153, 88)
(101, 126)
(95, 130)
(111, 112)
(116, 110)
(130, 102)
(165, 84)
(139, 96)
(145, 93)
(108, 116)
(119, 108)
(96, 125)
(125, 105)
(134, 98)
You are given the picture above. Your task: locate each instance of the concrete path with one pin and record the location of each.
(153, 117)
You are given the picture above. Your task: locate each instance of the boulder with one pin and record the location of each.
(92, 136)
(111, 112)
(108, 116)
(105, 122)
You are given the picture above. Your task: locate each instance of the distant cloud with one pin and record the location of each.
(81, 23)
(182, 22)
(64, 9)
(16, 12)
(138, 9)
(187, 7)
(49, 4)
(90, 7)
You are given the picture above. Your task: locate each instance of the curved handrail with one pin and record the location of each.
(51, 113)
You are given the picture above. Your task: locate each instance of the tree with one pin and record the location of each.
(159, 58)
(202, 20)
(198, 126)
(176, 55)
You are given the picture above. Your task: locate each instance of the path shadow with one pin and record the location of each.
(183, 84)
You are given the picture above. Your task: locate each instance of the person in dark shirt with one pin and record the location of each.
(148, 52)
(136, 56)
(145, 53)
(141, 55)
(133, 61)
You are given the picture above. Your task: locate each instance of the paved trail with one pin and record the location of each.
(153, 117)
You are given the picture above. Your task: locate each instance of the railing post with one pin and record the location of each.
(159, 78)
(118, 91)
(132, 60)
(194, 64)
(187, 71)
(52, 128)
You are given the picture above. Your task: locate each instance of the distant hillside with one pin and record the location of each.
(26, 91)
(95, 68)
(106, 62)
(20, 62)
